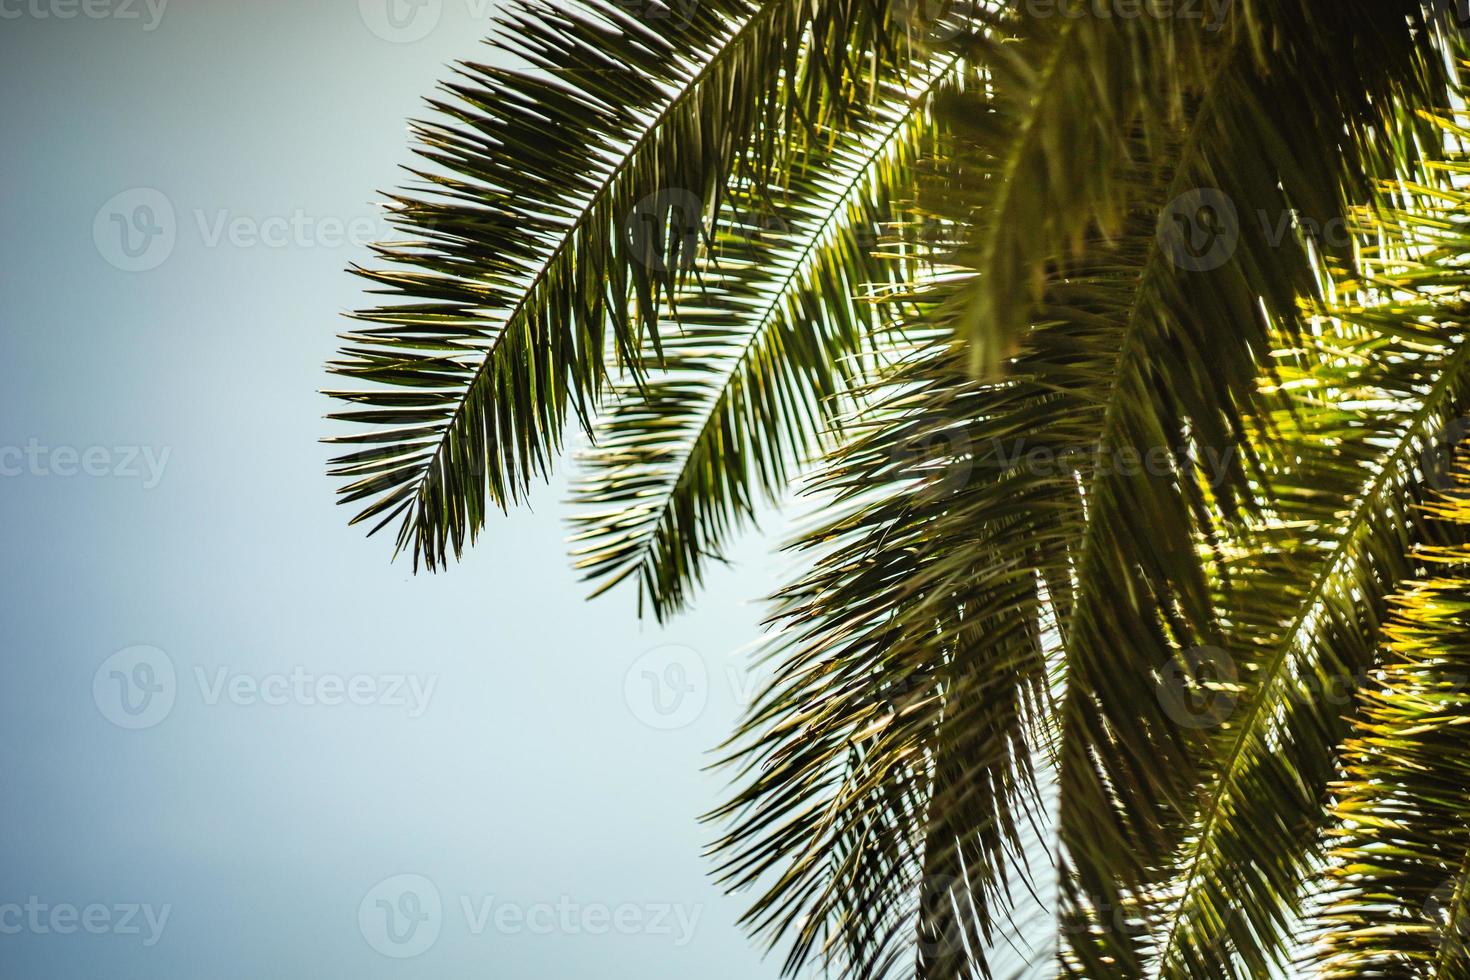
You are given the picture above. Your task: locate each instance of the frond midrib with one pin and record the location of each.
(1154, 267)
(834, 218)
(1454, 930)
(1345, 548)
(619, 166)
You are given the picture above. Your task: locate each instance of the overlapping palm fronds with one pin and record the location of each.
(560, 202)
(1262, 82)
(1369, 391)
(1401, 865)
(1129, 410)
(778, 325)
(1244, 144)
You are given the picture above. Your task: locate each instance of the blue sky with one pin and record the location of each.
(235, 741)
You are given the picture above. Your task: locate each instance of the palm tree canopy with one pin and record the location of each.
(1126, 353)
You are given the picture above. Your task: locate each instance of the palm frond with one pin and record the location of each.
(890, 762)
(777, 326)
(1401, 866)
(560, 203)
(950, 561)
(1182, 379)
(1367, 394)
(1056, 136)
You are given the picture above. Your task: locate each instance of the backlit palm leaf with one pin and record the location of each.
(779, 321)
(1370, 393)
(1402, 863)
(554, 215)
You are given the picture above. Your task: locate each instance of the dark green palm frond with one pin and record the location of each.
(559, 204)
(890, 762)
(1182, 379)
(772, 331)
(1192, 331)
(952, 563)
(928, 577)
(1367, 393)
(1401, 867)
(1051, 137)
(1305, 611)
(1055, 135)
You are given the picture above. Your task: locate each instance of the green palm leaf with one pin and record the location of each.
(889, 764)
(1188, 359)
(1126, 355)
(1372, 391)
(773, 331)
(1073, 90)
(555, 216)
(1401, 868)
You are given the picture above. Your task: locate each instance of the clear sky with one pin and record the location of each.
(229, 727)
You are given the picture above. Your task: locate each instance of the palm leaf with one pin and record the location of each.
(555, 213)
(1401, 867)
(1070, 95)
(1187, 363)
(1371, 390)
(889, 763)
(771, 335)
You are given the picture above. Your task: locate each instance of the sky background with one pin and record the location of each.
(174, 542)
